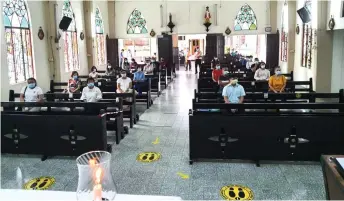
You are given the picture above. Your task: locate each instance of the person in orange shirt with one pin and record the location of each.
(277, 82)
(217, 73)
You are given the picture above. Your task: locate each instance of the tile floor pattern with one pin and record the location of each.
(167, 119)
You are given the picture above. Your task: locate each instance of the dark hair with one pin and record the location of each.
(90, 79)
(122, 72)
(93, 67)
(32, 79)
(122, 50)
(74, 73)
(256, 59)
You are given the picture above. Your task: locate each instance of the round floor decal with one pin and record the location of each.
(148, 157)
(236, 192)
(298, 95)
(41, 183)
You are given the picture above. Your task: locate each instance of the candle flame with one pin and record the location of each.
(92, 162)
(98, 175)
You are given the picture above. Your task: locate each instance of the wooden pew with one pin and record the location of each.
(310, 97)
(116, 125)
(54, 133)
(207, 85)
(266, 131)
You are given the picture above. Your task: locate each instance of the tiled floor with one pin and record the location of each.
(167, 120)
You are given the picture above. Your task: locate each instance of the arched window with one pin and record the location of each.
(100, 39)
(307, 39)
(136, 23)
(284, 34)
(245, 19)
(71, 51)
(18, 41)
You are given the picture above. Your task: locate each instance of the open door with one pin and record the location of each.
(112, 51)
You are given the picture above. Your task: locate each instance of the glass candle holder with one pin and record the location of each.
(95, 179)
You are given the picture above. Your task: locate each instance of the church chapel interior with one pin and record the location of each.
(172, 100)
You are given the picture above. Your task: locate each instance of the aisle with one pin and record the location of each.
(164, 129)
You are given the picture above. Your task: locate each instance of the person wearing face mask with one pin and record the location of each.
(249, 62)
(124, 83)
(93, 74)
(214, 62)
(217, 72)
(110, 71)
(31, 92)
(74, 83)
(148, 68)
(233, 92)
(277, 82)
(126, 65)
(262, 73)
(198, 60)
(139, 76)
(91, 93)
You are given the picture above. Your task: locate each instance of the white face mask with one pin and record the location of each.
(218, 67)
(263, 67)
(256, 62)
(94, 70)
(139, 69)
(109, 67)
(124, 75)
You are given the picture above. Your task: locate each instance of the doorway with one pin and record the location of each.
(187, 45)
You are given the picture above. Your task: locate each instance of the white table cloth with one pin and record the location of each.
(34, 195)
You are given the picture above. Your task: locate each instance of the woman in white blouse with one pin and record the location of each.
(93, 74)
(91, 93)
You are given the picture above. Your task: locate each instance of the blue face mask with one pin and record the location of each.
(91, 84)
(75, 77)
(31, 85)
(218, 67)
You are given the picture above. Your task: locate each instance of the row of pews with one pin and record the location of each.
(297, 125)
(66, 126)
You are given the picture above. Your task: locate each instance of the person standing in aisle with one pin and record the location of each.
(198, 61)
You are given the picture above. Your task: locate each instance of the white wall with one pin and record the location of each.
(40, 51)
(188, 16)
(337, 81)
(334, 8)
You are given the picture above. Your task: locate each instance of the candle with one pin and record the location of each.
(97, 192)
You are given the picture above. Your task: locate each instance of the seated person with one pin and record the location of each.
(214, 62)
(110, 71)
(126, 65)
(255, 65)
(148, 68)
(124, 83)
(233, 92)
(217, 72)
(74, 83)
(249, 62)
(277, 82)
(91, 93)
(133, 64)
(224, 79)
(94, 74)
(139, 76)
(31, 93)
(262, 73)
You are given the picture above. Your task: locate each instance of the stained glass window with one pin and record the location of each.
(100, 38)
(245, 19)
(18, 41)
(284, 34)
(307, 40)
(71, 51)
(136, 23)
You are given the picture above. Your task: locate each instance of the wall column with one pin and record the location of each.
(291, 34)
(88, 10)
(111, 14)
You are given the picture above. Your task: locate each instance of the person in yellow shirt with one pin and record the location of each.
(277, 82)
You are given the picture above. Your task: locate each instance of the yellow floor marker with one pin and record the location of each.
(157, 140)
(236, 192)
(147, 157)
(182, 175)
(41, 183)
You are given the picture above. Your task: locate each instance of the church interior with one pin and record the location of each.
(172, 100)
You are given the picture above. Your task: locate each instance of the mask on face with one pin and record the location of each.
(75, 77)
(124, 75)
(256, 62)
(263, 67)
(90, 85)
(234, 82)
(152, 61)
(216, 59)
(218, 67)
(94, 70)
(31, 85)
(109, 67)
(225, 72)
(278, 72)
(139, 70)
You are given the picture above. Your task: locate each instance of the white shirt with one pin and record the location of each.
(31, 95)
(91, 95)
(262, 74)
(124, 83)
(93, 75)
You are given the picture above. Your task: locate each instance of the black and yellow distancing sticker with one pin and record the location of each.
(41, 183)
(147, 157)
(236, 192)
